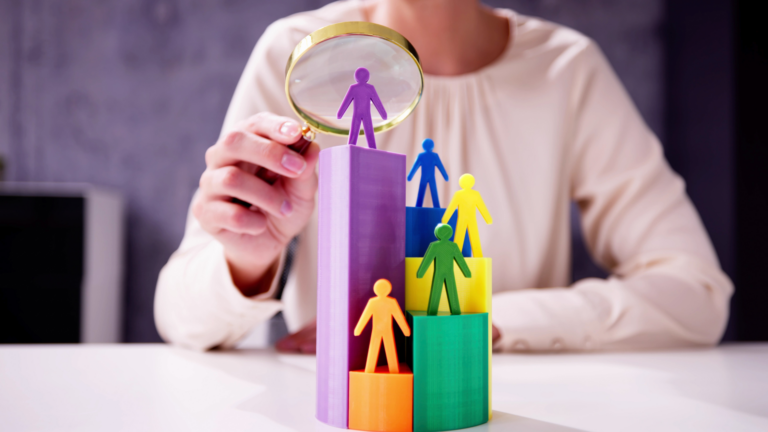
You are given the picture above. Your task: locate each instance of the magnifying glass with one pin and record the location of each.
(321, 69)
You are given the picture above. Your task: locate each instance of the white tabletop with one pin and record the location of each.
(156, 387)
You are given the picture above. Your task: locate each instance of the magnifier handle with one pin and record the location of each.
(271, 177)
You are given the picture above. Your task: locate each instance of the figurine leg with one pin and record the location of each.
(422, 191)
(474, 240)
(433, 192)
(461, 233)
(373, 353)
(391, 352)
(435, 293)
(368, 128)
(453, 295)
(354, 131)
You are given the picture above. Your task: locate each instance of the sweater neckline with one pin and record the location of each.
(512, 17)
(513, 22)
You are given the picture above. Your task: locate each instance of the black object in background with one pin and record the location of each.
(41, 268)
(750, 304)
(700, 118)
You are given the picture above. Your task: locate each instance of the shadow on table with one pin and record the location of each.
(509, 422)
(284, 395)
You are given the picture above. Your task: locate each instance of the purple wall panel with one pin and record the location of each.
(362, 239)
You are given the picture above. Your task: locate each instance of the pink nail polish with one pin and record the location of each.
(289, 129)
(286, 209)
(293, 162)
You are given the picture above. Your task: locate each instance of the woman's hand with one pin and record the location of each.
(304, 341)
(253, 238)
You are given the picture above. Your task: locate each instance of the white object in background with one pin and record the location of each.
(104, 245)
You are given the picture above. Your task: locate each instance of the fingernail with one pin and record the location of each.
(289, 129)
(286, 209)
(294, 162)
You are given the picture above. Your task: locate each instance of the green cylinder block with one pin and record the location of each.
(448, 355)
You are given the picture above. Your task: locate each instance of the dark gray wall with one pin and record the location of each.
(129, 94)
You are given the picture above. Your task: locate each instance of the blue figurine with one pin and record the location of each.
(428, 161)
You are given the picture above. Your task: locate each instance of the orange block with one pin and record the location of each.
(381, 401)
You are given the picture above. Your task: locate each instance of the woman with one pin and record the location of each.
(534, 111)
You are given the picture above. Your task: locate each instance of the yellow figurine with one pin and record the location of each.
(468, 201)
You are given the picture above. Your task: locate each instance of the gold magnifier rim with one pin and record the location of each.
(343, 29)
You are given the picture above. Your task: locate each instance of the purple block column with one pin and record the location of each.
(361, 239)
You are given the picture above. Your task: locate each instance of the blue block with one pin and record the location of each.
(420, 223)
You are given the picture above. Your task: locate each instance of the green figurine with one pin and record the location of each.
(443, 252)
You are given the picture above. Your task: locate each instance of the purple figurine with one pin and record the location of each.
(362, 94)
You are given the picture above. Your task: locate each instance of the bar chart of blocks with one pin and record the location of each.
(442, 349)
(378, 368)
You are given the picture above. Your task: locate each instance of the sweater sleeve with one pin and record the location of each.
(666, 287)
(196, 303)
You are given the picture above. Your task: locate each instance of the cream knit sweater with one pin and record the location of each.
(545, 124)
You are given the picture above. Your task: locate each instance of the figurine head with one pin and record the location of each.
(428, 144)
(467, 181)
(382, 287)
(362, 75)
(443, 231)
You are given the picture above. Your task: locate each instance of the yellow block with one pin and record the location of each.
(474, 294)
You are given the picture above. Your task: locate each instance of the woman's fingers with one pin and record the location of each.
(290, 343)
(262, 140)
(305, 186)
(309, 345)
(238, 146)
(303, 341)
(216, 215)
(231, 181)
(277, 128)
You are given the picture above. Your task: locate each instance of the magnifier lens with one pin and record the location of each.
(321, 77)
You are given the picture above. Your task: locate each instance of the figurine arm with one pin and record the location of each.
(397, 313)
(483, 210)
(426, 262)
(345, 104)
(461, 261)
(364, 319)
(451, 208)
(379, 106)
(415, 168)
(441, 167)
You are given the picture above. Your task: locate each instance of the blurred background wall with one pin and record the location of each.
(129, 94)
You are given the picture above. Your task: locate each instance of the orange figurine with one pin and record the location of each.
(382, 308)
